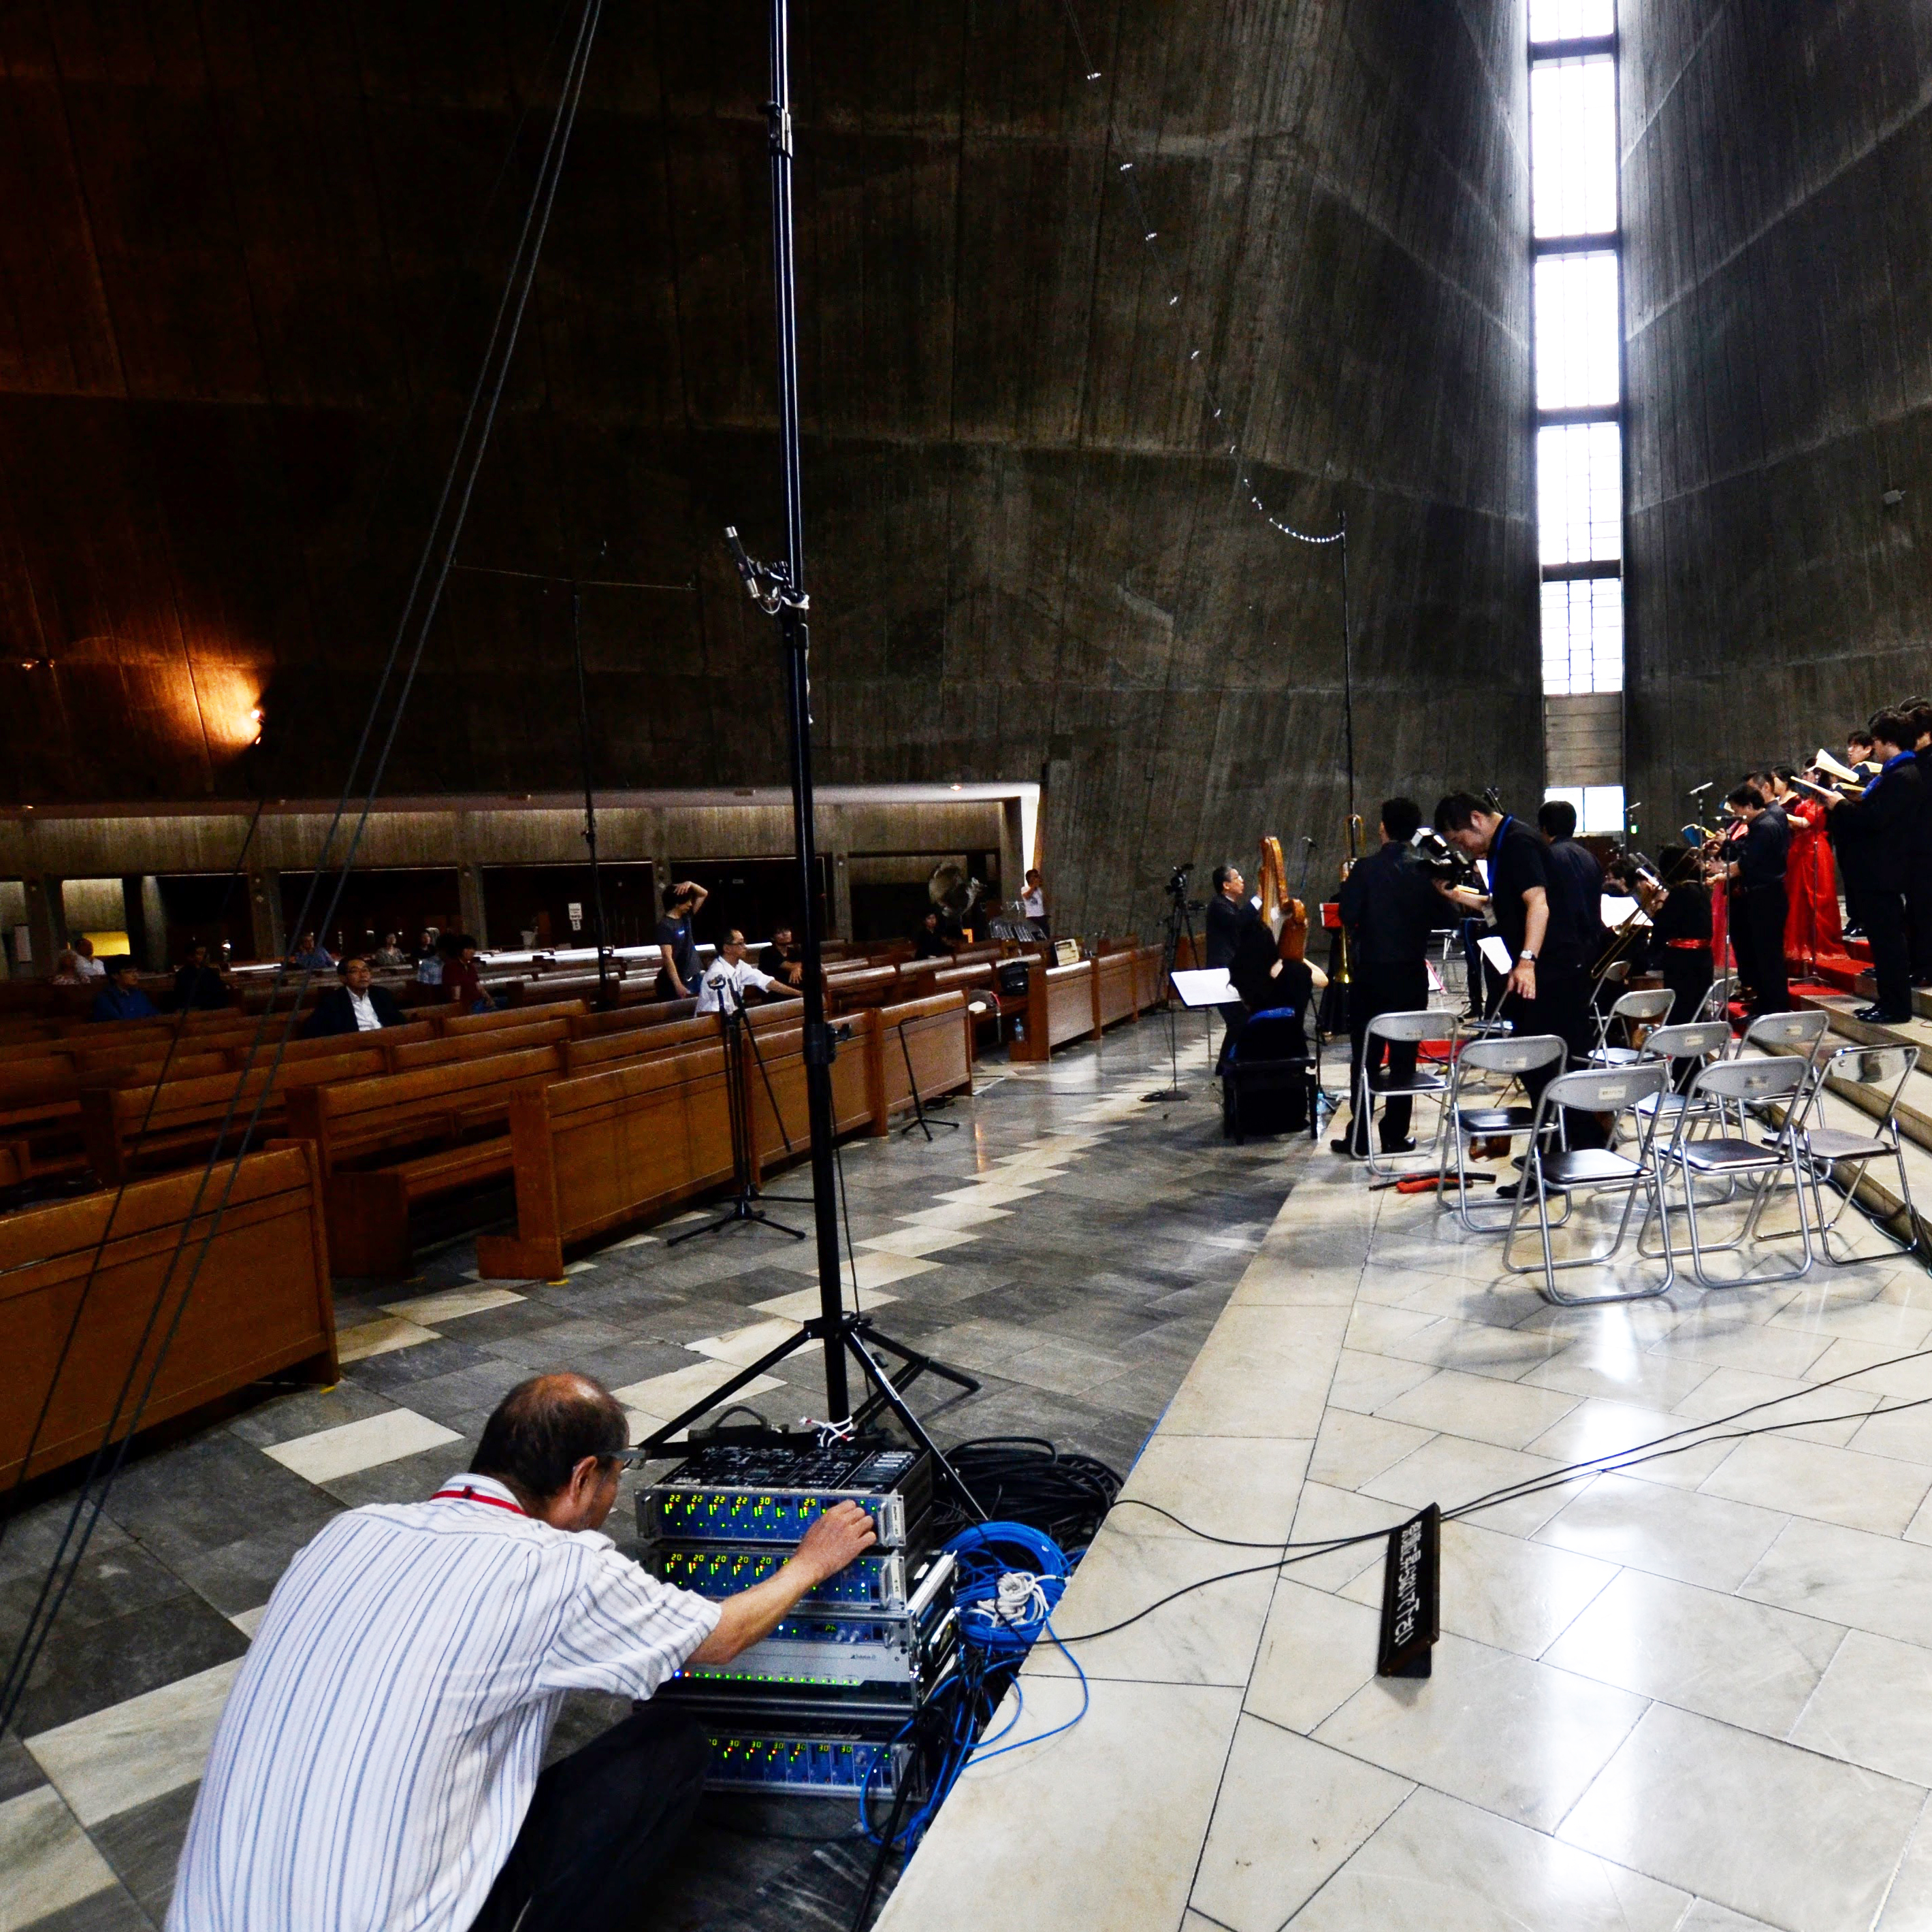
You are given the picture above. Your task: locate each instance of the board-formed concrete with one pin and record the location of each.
(254, 265)
(1777, 194)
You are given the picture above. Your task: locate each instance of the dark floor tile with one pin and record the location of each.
(112, 1910)
(482, 1386)
(238, 1576)
(392, 1373)
(198, 1494)
(85, 1669)
(283, 1420)
(144, 1846)
(18, 1770)
(411, 1479)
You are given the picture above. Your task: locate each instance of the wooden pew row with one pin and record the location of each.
(594, 1152)
(1059, 1008)
(260, 1305)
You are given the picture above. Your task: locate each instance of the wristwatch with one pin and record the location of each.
(1522, 958)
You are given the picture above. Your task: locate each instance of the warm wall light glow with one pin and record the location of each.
(230, 700)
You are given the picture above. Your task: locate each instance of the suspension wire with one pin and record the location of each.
(1129, 169)
(492, 375)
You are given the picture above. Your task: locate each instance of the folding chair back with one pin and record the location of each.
(1642, 1007)
(1881, 1066)
(1829, 1152)
(1752, 1082)
(1610, 1089)
(1797, 1032)
(1693, 1040)
(1517, 1055)
(1416, 1026)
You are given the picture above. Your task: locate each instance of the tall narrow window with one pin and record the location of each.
(1577, 300)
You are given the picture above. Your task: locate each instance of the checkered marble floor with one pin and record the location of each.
(1067, 1244)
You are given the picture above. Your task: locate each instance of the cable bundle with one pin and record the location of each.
(1025, 1481)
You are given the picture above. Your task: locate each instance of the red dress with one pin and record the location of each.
(1721, 896)
(1811, 925)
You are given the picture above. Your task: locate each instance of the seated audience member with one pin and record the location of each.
(460, 981)
(389, 955)
(429, 963)
(84, 964)
(358, 1005)
(929, 942)
(310, 956)
(122, 998)
(376, 1763)
(198, 984)
(720, 986)
(676, 938)
(66, 970)
(780, 959)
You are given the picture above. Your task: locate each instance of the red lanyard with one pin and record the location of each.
(467, 1494)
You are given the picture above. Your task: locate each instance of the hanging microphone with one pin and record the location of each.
(1698, 791)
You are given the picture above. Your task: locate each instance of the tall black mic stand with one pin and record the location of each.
(1180, 918)
(779, 589)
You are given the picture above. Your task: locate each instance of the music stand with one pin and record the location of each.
(1180, 918)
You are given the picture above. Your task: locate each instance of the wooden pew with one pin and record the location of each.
(387, 1144)
(855, 1091)
(590, 1154)
(260, 1304)
(934, 1034)
(853, 992)
(1059, 1008)
(1114, 991)
(646, 1013)
(463, 1025)
(185, 1117)
(408, 1059)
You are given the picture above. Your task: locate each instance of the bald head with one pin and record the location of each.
(544, 1430)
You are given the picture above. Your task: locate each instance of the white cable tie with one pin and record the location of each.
(1150, 235)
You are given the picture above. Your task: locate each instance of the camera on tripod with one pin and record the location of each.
(1445, 863)
(1177, 889)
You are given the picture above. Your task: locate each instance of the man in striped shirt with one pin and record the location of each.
(377, 1766)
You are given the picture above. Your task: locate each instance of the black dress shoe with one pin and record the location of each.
(1510, 1190)
(1878, 1016)
(1399, 1147)
(1348, 1152)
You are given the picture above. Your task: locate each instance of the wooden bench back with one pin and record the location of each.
(464, 1024)
(353, 1118)
(408, 1059)
(934, 1036)
(261, 1300)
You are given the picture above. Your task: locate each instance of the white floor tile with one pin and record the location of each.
(383, 1336)
(1242, 1488)
(1849, 1576)
(1352, 1449)
(1452, 1471)
(48, 1860)
(1743, 1662)
(917, 1241)
(1874, 1707)
(1696, 1539)
(1479, 1409)
(1316, 1652)
(341, 1451)
(655, 1401)
(111, 1760)
(1812, 1479)
(955, 1214)
(1514, 1736)
(1781, 1834)
(742, 1347)
(1440, 1866)
(452, 1304)
(1288, 1813)
(803, 1303)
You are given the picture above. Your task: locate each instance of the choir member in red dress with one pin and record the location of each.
(1811, 927)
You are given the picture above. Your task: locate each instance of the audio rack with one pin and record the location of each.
(816, 1706)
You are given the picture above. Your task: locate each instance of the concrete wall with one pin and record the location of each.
(1777, 191)
(245, 305)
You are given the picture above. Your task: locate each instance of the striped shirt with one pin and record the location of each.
(379, 1749)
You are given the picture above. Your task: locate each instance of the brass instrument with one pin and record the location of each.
(1354, 826)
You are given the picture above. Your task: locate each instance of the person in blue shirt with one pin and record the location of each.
(122, 998)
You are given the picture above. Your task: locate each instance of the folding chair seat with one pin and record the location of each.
(1554, 1168)
(1409, 1029)
(1630, 1010)
(1485, 1119)
(1732, 1086)
(1826, 1149)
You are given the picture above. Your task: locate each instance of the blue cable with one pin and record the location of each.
(1086, 1700)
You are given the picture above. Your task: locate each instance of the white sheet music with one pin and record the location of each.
(1210, 987)
(1493, 949)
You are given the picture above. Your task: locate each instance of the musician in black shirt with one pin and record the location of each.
(1389, 906)
(1678, 908)
(1759, 902)
(1230, 914)
(1583, 876)
(1872, 836)
(1534, 902)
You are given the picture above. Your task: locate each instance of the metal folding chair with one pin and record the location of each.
(1825, 1149)
(1800, 1031)
(1416, 1028)
(1560, 1169)
(1728, 1088)
(1462, 1123)
(1631, 1010)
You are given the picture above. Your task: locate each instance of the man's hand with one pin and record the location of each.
(1521, 981)
(844, 1531)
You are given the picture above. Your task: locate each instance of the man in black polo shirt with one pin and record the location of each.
(1534, 904)
(1872, 835)
(1389, 907)
(1759, 901)
(1229, 913)
(1583, 876)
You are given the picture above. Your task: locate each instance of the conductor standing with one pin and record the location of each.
(1389, 906)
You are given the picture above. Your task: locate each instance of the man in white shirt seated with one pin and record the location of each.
(720, 986)
(376, 1765)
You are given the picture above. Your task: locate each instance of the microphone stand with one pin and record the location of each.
(779, 589)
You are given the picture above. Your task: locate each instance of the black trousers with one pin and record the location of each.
(1561, 1007)
(601, 1819)
(1918, 922)
(1758, 934)
(1687, 972)
(1884, 914)
(1383, 989)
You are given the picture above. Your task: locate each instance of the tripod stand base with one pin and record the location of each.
(1165, 1093)
(740, 1213)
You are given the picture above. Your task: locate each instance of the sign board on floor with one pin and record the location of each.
(1411, 1594)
